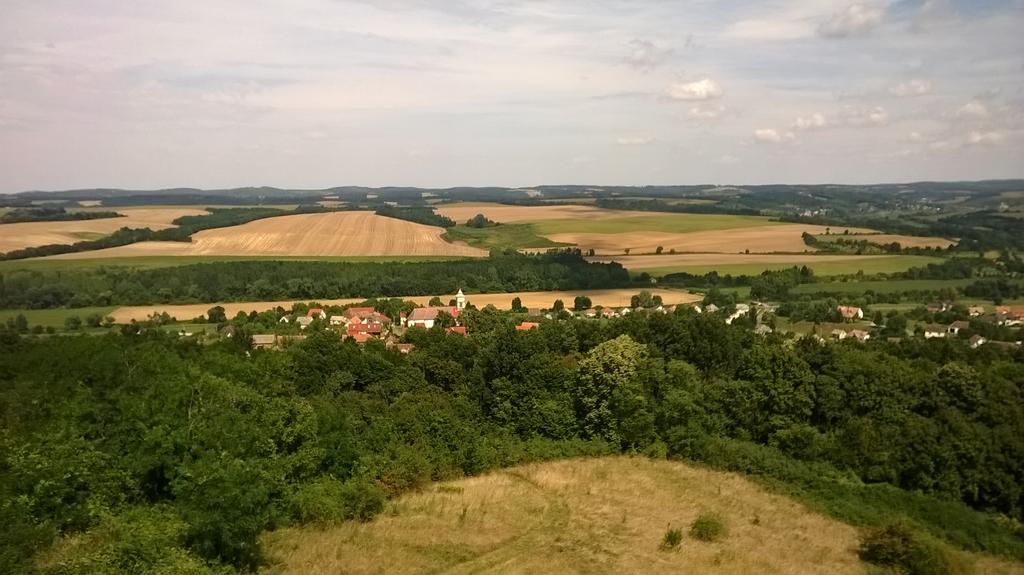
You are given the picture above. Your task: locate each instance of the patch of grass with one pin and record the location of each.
(873, 265)
(673, 537)
(879, 286)
(708, 527)
(88, 236)
(54, 317)
(500, 237)
(674, 223)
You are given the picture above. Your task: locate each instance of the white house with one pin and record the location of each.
(304, 321)
(934, 330)
(741, 310)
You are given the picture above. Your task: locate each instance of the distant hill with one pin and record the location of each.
(606, 515)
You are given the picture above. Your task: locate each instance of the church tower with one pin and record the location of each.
(460, 300)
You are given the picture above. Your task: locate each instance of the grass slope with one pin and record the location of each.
(604, 515)
(500, 237)
(674, 223)
(874, 265)
(879, 286)
(53, 317)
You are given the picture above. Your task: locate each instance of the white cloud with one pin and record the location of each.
(915, 87)
(769, 30)
(772, 136)
(728, 159)
(704, 89)
(645, 55)
(976, 138)
(975, 109)
(812, 122)
(856, 19)
(916, 137)
(633, 141)
(853, 116)
(706, 112)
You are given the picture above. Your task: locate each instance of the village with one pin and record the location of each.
(363, 323)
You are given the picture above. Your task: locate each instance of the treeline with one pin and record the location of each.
(45, 214)
(165, 454)
(269, 280)
(426, 216)
(859, 244)
(719, 207)
(186, 226)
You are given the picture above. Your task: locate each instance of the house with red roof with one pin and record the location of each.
(427, 316)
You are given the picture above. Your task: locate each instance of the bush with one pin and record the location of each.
(708, 527)
(673, 537)
(327, 499)
(897, 545)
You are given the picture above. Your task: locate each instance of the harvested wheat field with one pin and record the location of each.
(329, 234)
(760, 239)
(541, 299)
(462, 211)
(31, 234)
(605, 515)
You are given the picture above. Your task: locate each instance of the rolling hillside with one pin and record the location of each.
(605, 515)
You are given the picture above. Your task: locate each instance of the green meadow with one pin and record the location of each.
(875, 265)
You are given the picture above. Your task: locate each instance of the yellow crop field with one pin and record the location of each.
(31, 234)
(327, 234)
(462, 211)
(541, 299)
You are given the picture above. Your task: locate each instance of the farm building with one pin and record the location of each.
(264, 341)
(955, 327)
(427, 316)
(850, 313)
(934, 330)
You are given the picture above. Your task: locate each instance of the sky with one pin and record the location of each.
(319, 93)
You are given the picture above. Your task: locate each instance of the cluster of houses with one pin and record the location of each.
(362, 324)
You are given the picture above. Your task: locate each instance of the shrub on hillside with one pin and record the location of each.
(898, 546)
(328, 499)
(708, 527)
(673, 537)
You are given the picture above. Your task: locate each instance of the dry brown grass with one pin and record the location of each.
(603, 515)
(31, 234)
(761, 239)
(543, 299)
(462, 211)
(329, 234)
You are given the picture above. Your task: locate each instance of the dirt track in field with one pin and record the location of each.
(762, 239)
(544, 299)
(32, 234)
(330, 234)
(462, 211)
